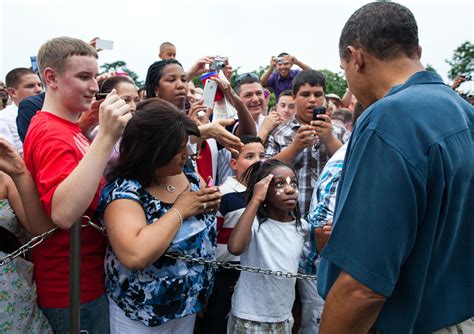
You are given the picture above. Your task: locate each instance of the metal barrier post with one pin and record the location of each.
(75, 279)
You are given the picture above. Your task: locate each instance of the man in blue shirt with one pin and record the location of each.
(400, 256)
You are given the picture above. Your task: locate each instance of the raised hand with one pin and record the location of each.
(10, 160)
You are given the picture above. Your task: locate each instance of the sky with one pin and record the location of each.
(249, 32)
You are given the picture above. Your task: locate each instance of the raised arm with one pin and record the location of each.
(22, 191)
(268, 72)
(246, 122)
(69, 204)
(240, 236)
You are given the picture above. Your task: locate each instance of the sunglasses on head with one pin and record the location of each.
(247, 78)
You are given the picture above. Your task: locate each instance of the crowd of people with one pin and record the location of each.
(354, 208)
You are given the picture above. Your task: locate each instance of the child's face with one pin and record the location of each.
(76, 86)
(168, 53)
(250, 153)
(282, 194)
(286, 107)
(306, 99)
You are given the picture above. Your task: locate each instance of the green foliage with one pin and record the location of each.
(335, 82)
(121, 66)
(430, 68)
(462, 61)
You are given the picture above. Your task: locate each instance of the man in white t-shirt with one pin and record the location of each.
(21, 83)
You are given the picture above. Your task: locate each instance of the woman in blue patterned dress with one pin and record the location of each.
(155, 205)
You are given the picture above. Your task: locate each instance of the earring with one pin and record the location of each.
(157, 94)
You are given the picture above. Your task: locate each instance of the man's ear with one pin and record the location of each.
(357, 56)
(233, 164)
(12, 92)
(50, 78)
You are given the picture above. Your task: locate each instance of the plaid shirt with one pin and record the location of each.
(322, 206)
(308, 163)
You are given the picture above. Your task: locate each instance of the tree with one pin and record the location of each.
(335, 82)
(430, 68)
(462, 61)
(121, 66)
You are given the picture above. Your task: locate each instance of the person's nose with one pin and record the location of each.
(94, 86)
(38, 89)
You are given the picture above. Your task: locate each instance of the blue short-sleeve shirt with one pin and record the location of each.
(403, 222)
(168, 289)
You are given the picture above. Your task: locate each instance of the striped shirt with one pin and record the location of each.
(231, 208)
(323, 203)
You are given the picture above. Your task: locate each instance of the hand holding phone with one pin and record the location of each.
(318, 111)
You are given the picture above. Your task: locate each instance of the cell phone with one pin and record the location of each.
(34, 65)
(104, 44)
(210, 89)
(318, 111)
(100, 96)
(210, 183)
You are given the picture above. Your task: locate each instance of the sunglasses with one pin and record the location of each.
(247, 78)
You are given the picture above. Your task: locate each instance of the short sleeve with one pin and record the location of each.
(376, 213)
(271, 81)
(54, 161)
(121, 188)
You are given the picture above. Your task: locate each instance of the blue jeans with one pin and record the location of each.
(94, 317)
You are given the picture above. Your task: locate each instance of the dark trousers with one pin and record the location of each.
(218, 307)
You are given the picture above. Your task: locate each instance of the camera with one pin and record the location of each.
(318, 111)
(280, 60)
(467, 77)
(218, 64)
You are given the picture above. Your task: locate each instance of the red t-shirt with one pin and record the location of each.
(53, 148)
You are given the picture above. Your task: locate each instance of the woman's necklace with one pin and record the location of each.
(169, 187)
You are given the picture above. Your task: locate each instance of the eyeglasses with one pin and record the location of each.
(249, 77)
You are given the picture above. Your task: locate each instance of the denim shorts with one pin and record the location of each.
(94, 317)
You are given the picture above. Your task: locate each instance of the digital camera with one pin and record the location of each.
(218, 64)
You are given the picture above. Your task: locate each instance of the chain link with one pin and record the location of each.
(40, 238)
(188, 258)
(238, 267)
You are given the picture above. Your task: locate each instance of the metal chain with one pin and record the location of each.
(188, 258)
(238, 267)
(40, 238)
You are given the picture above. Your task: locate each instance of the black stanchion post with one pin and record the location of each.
(75, 280)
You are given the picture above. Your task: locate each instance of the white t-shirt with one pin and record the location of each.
(8, 128)
(277, 246)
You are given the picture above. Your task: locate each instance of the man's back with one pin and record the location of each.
(407, 192)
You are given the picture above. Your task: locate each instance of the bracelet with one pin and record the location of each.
(179, 215)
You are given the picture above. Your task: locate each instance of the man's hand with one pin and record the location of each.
(305, 137)
(323, 128)
(273, 62)
(114, 115)
(199, 67)
(217, 131)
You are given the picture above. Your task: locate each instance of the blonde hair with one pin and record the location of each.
(54, 53)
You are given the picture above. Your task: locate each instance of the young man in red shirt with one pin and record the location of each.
(67, 170)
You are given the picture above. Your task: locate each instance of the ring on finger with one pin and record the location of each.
(204, 206)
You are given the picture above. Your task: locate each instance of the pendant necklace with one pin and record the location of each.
(169, 187)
